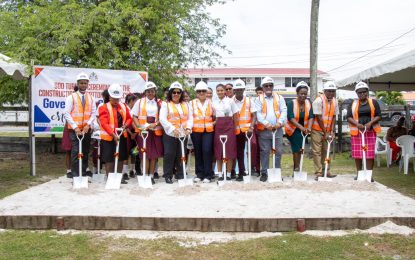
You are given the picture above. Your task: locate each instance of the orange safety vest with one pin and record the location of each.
(142, 117)
(173, 116)
(355, 111)
(202, 123)
(245, 117)
(276, 98)
(81, 114)
(107, 136)
(290, 127)
(329, 109)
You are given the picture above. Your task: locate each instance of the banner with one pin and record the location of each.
(51, 86)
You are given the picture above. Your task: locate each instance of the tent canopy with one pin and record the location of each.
(397, 74)
(16, 70)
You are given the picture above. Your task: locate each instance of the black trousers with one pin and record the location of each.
(172, 156)
(86, 144)
(203, 144)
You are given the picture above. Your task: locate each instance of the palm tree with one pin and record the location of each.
(390, 97)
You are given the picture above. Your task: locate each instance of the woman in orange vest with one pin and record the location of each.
(146, 117)
(202, 134)
(363, 113)
(112, 115)
(300, 120)
(176, 117)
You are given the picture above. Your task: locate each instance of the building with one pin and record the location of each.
(285, 78)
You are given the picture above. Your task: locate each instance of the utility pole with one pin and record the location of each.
(313, 48)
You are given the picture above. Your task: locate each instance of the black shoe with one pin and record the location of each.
(233, 174)
(258, 173)
(125, 176)
(372, 180)
(227, 178)
(156, 175)
(69, 175)
(264, 177)
(355, 178)
(169, 180)
(89, 174)
(152, 181)
(240, 178)
(123, 181)
(132, 174)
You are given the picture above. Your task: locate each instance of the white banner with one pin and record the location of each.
(51, 86)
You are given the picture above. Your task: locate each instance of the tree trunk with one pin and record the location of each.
(313, 48)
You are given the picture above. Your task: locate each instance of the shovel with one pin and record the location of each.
(326, 161)
(247, 179)
(144, 181)
(98, 177)
(114, 178)
(274, 174)
(300, 175)
(80, 182)
(223, 139)
(185, 181)
(364, 175)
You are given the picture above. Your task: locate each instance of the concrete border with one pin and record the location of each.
(195, 224)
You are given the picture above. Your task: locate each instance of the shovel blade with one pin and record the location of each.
(274, 175)
(185, 182)
(247, 179)
(300, 176)
(80, 182)
(113, 181)
(144, 182)
(324, 179)
(364, 175)
(221, 183)
(98, 177)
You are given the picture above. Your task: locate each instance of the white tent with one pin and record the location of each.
(396, 73)
(16, 70)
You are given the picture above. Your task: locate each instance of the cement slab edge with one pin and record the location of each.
(195, 224)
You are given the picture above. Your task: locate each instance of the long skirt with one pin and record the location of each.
(66, 140)
(370, 141)
(154, 144)
(225, 126)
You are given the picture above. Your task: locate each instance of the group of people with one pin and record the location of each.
(203, 121)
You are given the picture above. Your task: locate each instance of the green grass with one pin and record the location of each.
(50, 245)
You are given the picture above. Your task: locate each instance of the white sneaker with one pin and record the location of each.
(206, 181)
(196, 179)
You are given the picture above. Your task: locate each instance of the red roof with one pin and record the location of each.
(251, 71)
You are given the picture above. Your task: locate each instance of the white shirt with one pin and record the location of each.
(151, 107)
(202, 108)
(270, 117)
(225, 107)
(169, 127)
(239, 104)
(69, 107)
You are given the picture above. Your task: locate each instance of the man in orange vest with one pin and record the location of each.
(271, 115)
(247, 120)
(80, 112)
(325, 110)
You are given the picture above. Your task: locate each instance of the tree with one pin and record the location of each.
(390, 97)
(161, 37)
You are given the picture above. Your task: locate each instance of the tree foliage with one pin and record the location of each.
(390, 97)
(161, 37)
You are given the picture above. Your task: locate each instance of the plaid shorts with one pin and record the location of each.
(370, 141)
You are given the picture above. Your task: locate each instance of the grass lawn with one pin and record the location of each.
(14, 177)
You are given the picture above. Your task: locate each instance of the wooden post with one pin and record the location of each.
(314, 48)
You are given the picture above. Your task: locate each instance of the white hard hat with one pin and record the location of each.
(201, 85)
(267, 80)
(82, 76)
(150, 85)
(115, 91)
(360, 85)
(177, 85)
(239, 84)
(329, 85)
(301, 84)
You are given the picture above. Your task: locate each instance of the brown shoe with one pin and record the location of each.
(329, 175)
(318, 174)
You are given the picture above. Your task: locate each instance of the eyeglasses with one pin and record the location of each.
(201, 91)
(176, 92)
(361, 92)
(227, 89)
(268, 86)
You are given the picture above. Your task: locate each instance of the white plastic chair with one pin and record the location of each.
(406, 142)
(380, 148)
(388, 152)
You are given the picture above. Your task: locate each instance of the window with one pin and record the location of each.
(296, 80)
(257, 82)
